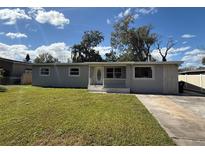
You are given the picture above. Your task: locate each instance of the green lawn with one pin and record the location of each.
(61, 116)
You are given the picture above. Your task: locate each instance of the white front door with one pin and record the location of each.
(99, 74)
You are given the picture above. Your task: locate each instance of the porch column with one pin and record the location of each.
(88, 75)
(128, 75)
(103, 75)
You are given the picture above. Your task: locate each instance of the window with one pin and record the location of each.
(143, 72)
(109, 72)
(118, 72)
(74, 72)
(44, 71)
(114, 72)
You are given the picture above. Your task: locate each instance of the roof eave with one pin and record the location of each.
(112, 63)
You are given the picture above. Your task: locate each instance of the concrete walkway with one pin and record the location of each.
(181, 124)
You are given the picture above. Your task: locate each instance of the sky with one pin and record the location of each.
(55, 30)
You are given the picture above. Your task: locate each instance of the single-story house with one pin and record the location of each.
(13, 70)
(139, 77)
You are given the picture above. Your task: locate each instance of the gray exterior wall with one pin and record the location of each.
(19, 69)
(59, 77)
(152, 85)
(170, 79)
(115, 83)
(164, 80)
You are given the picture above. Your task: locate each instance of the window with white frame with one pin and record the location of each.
(118, 72)
(143, 72)
(114, 72)
(109, 73)
(74, 72)
(44, 71)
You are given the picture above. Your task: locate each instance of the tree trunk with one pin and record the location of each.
(164, 59)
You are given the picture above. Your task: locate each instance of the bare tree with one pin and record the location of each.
(169, 45)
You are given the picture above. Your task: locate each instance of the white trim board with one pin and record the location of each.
(133, 72)
(73, 75)
(45, 68)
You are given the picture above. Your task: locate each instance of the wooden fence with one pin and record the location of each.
(26, 77)
(193, 82)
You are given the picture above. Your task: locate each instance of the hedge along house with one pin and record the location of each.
(125, 77)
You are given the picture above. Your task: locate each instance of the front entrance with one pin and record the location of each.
(99, 74)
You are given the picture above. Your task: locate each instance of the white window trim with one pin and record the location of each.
(73, 75)
(45, 68)
(110, 72)
(115, 78)
(153, 73)
(114, 74)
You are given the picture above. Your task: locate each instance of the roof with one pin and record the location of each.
(14, 61)
(111, 63)
(193, 71)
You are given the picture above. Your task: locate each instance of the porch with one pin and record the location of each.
(107, 79)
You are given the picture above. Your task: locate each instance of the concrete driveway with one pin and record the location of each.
(183, 117)
(192, 101)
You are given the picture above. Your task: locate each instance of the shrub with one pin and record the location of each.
(3, 89)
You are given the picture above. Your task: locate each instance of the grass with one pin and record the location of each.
(61, 116)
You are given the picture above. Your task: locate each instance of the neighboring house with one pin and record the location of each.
(193, 72)
(13, 70)
(140, 77)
